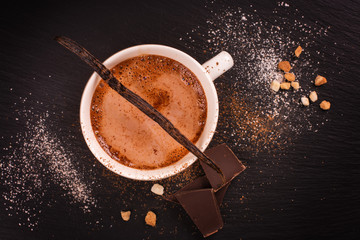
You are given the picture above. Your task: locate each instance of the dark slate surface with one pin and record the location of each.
(309, 191)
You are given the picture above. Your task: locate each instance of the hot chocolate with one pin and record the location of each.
(127, 134)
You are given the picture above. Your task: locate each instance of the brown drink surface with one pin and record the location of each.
(131, 137)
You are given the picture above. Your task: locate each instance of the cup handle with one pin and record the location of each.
(218, 64)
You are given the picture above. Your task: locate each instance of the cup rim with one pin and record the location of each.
(189, 158)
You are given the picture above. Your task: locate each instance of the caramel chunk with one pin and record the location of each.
(298, 51)
(284, 65)
(313, 96)
(325, 105)
(285, 85)
(290, 77)
(150, 219)
(320, 80)
(157, 189)
(275, 85)
(305, 101)
(125, 215)
(295, 85)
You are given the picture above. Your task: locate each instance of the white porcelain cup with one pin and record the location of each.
(205, 73)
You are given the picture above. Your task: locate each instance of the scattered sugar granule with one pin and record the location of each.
(40, 161)
(278, 76)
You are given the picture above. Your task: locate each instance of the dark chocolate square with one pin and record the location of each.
(229, 164)
(202, 207)
(200, 183)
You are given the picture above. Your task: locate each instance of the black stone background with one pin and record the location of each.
(312, 197)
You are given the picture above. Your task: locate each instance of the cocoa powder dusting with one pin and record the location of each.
(261, 130)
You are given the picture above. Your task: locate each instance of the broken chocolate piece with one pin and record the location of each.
(202, 207)
(220, 194)
(229, 164)
(200, 183)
